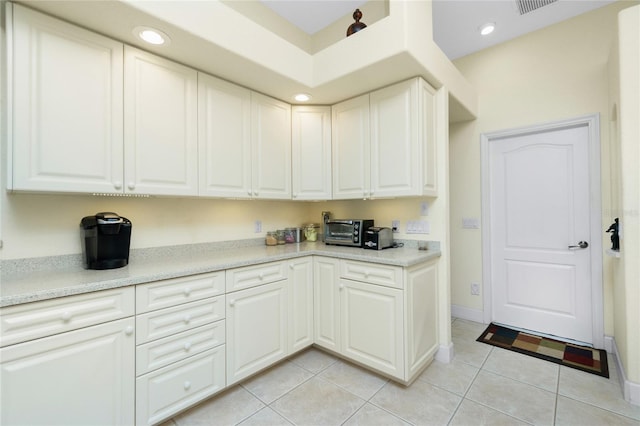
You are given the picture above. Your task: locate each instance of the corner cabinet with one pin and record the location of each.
(311, 152)
(161, 137)
(383, 317)
(384, 143)
(65, 111)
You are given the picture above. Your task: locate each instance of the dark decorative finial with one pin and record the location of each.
(356, 26)
(615, 238)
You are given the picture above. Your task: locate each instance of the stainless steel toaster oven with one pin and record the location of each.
(346, 232)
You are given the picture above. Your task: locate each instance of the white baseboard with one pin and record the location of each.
(631, 390)
(468, 314)
(445, 354)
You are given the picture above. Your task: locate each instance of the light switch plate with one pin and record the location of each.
(418, 227)
(470, 223)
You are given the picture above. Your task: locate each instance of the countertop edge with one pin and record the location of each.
(406, 258)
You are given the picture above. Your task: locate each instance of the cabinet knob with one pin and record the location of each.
(291, 266)
(128, 331)
(249, 193)
(187, 385)
(366, 275)
(187, 318)
(341, 286)
(261, 276)
(66, 316)
(187, 291)
(255, 193)
(232, 302)
(131, 185)
(117, 184)
(295, 195)
(187, 346)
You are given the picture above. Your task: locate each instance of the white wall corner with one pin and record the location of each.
(631, 390)
(469, 314)
(445, 354)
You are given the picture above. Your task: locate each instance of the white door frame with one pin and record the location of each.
(592, 122)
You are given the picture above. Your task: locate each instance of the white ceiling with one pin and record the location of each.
(455, 22)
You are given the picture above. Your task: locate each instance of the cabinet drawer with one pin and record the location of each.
(163, 352)
(168, 390)
(39, 319)
(166, 293)
(252, 276)
(390, 276)
(157, 324)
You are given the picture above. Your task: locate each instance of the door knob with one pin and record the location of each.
(581, 244)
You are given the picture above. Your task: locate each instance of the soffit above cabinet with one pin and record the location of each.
(214, 38)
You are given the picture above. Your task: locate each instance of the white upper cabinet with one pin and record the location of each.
(66, 106)
(244, 142)
(311, 152)
(224, 138)
(350, 148)
(161, 138)
(383, 143)
(271, 147)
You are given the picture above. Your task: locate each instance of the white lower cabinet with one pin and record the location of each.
(82, 377)
(180, 357)
(300, 304)
(178, 386)
(382, 317)
(371, 325)
(256, 329)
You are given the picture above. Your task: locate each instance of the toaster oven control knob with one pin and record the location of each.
(66, 316)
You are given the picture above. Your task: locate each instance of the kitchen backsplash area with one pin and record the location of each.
(38, 225)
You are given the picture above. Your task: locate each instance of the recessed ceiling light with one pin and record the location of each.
(487, 28)
(151, 36)
(302, 97)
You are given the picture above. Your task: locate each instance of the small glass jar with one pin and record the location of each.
(280, 236)
(271, 239)
(289, 235)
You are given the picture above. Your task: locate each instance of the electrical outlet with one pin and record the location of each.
(395, 226)
(475, 289)
(424, 208)
(257, 226)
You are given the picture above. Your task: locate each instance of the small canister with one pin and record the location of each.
(293, 235)
(271, 239)
(280, 236)
(311, 231)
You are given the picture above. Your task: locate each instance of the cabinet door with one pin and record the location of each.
(67, 107)
(311, 152)
(256, 329)
(300, 304)
(161, 138)
(395, 141)
(271, 147)
(224, 138)
(83, 377)
(326, 303)
(372, 325)
(351, 165)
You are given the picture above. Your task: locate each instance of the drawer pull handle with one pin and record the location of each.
(187, 385)
(187, 318)
(128, 331)
(66, 316)
(187, 346)
(187, 291)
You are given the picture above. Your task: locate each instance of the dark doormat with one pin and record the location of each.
(568, 354)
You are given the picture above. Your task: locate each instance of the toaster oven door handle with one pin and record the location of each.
(344, 222)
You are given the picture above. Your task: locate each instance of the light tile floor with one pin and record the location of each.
(483, 385)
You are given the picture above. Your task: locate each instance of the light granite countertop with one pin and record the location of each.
(30, 280)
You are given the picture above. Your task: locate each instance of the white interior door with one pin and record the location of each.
(541, 242)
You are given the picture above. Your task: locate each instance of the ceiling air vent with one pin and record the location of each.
(526, 6)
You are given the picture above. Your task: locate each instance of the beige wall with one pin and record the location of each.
(555, 73)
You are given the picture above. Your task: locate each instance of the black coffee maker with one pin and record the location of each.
(105, 241)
